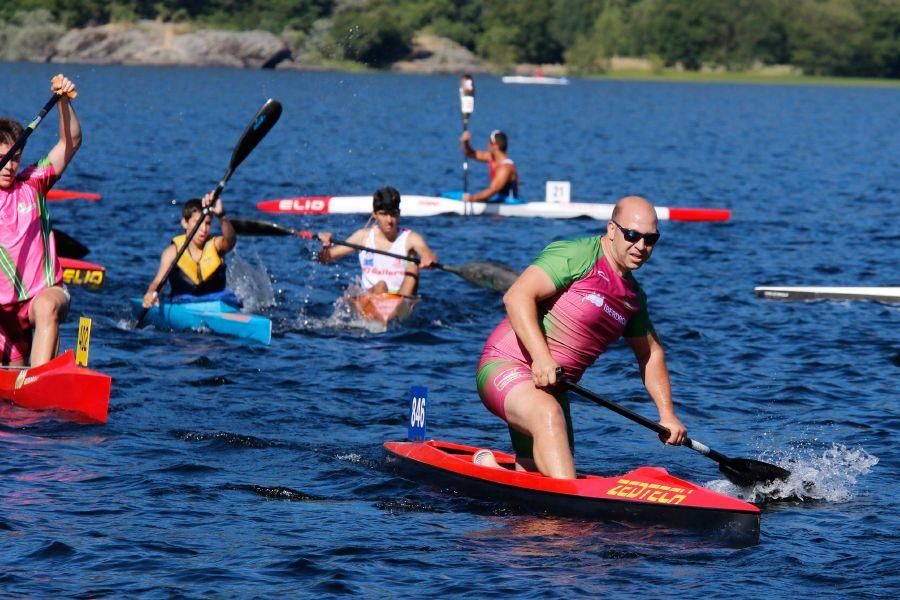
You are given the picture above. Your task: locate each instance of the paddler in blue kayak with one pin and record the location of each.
(502, 172)
(201, 269)
(576, 298)
(383, 274)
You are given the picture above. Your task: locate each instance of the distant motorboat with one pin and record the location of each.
(535, 80)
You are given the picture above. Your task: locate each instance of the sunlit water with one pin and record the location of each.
(233, 470)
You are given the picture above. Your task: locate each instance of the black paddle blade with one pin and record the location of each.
(256, 130)
(746, 472)
(69, 247)
(254, 227)
(492, 275)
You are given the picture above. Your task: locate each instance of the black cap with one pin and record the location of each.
(386, 199)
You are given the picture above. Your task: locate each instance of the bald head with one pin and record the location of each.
(633, 223)
(637, 211)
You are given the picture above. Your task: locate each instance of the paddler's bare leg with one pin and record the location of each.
(47, 310)
(538, 414)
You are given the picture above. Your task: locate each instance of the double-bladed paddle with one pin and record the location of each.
(491, 275)
(259, 126)
(741, 471)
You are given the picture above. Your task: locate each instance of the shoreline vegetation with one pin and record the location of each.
(829, 42)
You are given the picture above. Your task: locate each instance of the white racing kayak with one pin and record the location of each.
(427, 206)
(535, 80)
(881, 294)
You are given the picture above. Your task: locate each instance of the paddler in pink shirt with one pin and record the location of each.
(575, 299)
(382, 274)
(33, 299)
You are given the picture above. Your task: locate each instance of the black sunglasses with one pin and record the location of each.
(633, 237)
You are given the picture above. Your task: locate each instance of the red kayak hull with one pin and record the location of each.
(81, 272)
(60, 385)
(646, 495)
(63, 195)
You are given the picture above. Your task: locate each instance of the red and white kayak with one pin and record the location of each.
(382, 307)
(646, 495)
(59, 385)
(427, 206)
(64, 195)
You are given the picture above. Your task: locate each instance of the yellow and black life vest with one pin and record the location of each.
(205, 276)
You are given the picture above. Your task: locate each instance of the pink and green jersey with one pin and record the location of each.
(28, 262)
(593, 307)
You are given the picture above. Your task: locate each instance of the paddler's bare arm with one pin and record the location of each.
(501, 177)
(521, 302)
(165, 261)
(224, 243)
(331, 252)
(468, 150)
(69, 126)
(652, 362)
(427, 257)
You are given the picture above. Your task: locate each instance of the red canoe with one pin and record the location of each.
(58, 385)
(647, 495)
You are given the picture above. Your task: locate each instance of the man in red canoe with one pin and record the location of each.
(33, 298)
(504, 176)
(383, 274)
(201, 269)
(575, 299)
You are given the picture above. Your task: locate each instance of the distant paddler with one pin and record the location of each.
(504, 177)
(576, 298)
(381, 274)
(33, 299)
(200, 271)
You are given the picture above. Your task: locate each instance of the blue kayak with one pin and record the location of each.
(457, 195)
(216, 312)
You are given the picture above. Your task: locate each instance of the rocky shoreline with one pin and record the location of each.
(167, 44)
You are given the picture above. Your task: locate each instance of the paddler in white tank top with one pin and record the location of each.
(383, 274)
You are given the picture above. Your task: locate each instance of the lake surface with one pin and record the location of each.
(246, 471)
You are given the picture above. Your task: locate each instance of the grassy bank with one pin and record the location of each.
(744, 77)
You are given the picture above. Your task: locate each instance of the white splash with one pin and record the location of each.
(831, 476)
(250, 283)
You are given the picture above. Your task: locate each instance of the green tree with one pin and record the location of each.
(824, 37)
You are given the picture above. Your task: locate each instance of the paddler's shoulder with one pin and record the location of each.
(588, 246)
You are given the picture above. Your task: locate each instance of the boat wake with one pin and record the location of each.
(831, 476)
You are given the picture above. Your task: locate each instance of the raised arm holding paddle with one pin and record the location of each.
(32, 297)
(257, 129)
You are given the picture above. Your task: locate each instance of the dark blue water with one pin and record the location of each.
(233, 470)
